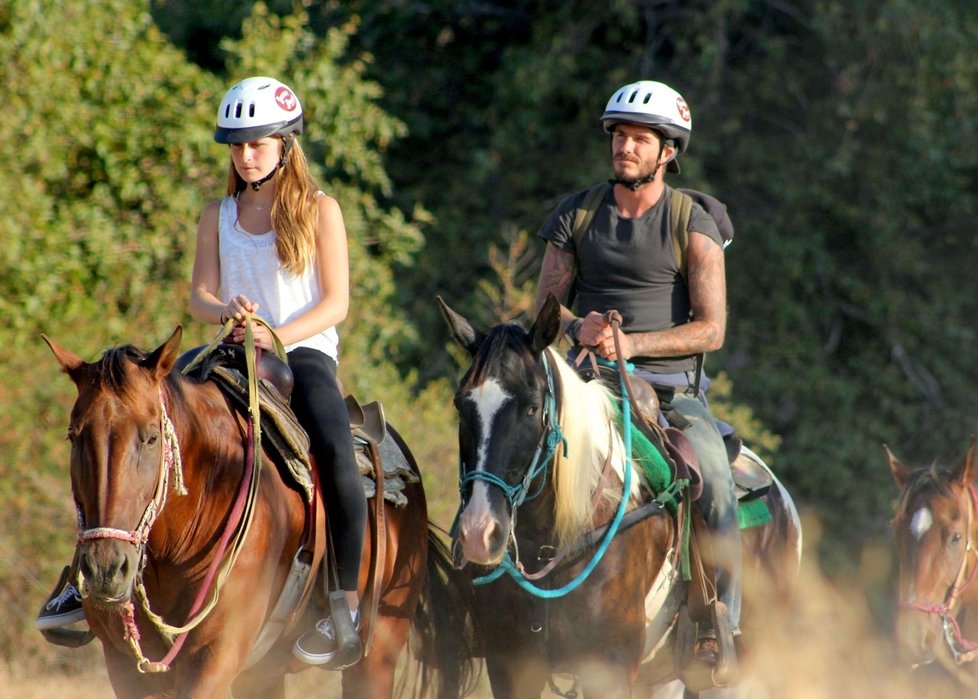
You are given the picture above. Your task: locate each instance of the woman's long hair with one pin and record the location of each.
(294, 211)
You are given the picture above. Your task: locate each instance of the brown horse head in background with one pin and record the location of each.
(936, 531)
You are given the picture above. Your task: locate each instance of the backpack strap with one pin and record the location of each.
(680, 211)
(585, 213)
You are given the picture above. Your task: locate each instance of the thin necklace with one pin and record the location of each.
(257, 207)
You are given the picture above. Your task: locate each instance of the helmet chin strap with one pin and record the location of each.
(256, 185)
(286, 146)
(635, 185)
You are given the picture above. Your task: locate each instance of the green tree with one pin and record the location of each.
(114, 161)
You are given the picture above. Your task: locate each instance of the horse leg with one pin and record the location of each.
(373, 676)
(605, 681)
(519, 676)
(126, 680)
(271, 688)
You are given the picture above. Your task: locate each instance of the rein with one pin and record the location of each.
(961, 648)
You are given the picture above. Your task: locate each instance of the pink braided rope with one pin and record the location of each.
(131, 631)
(133, 537)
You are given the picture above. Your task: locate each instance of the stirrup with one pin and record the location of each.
(338, 636)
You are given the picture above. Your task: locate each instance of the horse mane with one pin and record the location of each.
(928, 479)
(587, 419)
(508, 337)
(112, 368)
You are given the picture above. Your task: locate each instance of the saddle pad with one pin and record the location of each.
(752, 513)
(397, 471)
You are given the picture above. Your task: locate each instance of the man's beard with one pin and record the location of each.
(643, 177)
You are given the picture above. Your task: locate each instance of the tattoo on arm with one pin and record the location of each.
(556, 275)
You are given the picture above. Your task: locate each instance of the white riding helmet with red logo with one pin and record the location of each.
(654, 104)
(255, 108)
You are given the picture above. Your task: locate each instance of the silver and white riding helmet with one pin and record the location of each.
(653, 104)
(255, 108)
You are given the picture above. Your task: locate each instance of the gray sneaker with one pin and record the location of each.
(63, 606)
(320, 647)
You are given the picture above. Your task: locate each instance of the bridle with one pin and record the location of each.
(225, 554)
(961, 648)
(551, 436)
(139, 536)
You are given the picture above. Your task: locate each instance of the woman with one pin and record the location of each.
(275, 246)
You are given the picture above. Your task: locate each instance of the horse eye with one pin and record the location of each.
(152, 439)
(956, 538)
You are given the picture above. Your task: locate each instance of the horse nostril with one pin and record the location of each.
(495, 537)
(124, 567)
(85, 566)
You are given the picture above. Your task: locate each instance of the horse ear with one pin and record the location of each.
(967, 470)
(69, 361)
(462, 331)
(163, 358)
(547, 325)
(901, 474)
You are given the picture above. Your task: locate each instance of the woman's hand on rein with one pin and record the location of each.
(261, 333)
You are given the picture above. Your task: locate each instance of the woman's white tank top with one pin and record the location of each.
(251, 266)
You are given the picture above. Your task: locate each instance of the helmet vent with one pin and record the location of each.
(251, 110)
(237, 110)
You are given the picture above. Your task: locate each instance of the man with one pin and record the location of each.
(624, 260)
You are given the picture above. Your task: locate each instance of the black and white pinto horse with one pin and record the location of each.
(575, 564)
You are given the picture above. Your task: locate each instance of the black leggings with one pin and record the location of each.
(318, 405)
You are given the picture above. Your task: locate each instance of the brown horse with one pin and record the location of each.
(936, 532)
(158, 467)
(576, 571)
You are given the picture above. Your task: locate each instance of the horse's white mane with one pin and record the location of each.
(587, 420)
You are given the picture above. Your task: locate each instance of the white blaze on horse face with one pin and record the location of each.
(921, 523)
(489, 398)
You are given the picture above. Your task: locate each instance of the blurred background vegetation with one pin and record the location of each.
(841, 134)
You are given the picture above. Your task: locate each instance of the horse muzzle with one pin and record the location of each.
(481, 537)
(107, 569)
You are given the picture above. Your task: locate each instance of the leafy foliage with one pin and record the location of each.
(840, 134)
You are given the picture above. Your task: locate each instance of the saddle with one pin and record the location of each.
(383, 467)
(289, 443)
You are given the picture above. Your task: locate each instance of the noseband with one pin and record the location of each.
(961, 648)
